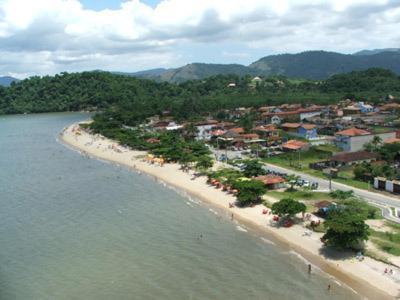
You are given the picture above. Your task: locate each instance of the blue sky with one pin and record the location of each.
(52, 36)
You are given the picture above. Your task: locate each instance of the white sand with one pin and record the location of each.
(366, 277)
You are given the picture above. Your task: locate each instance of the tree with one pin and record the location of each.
(288, 207)
(204, 162)
(374, 145)
(190, 131)
(346, 229)
(341, 195)
(292, 179)
(253, 168)
(249, 191)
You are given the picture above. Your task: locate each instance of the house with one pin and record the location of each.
(166, 125)
(272, 182)
(268, 132)
(291, 115)
(351, 110)
(390, 107)
(173, 126)
(295, 145)
(354, 139)
(351, 158)
(306, 131)
(365, 108)
(205, 128)
(391, 140)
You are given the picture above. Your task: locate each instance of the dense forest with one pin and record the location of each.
(131, 99)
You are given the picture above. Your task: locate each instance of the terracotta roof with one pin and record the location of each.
(291, 125)
(297, 125)
(265, 128)
(237, 130)
(353, 132)
(392, 141)
(294, 145)
(153, 141)
(217, 132)
(250, 136)
(354, 156)
(270, 179)
(308, 126)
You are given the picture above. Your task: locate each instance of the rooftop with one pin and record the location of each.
(294, 145)
(353, 132)
(270, 179)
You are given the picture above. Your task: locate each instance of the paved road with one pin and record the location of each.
(383, 201)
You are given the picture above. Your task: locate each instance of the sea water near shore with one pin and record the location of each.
(78, 228)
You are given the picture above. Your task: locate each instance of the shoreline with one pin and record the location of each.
(365, 278)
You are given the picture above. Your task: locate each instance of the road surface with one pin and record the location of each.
(381, 200)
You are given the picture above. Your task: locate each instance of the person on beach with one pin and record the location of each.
(329, 287)
(309, 268)
(232, 216)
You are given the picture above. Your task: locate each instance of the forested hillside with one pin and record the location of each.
(315, 65)
(137, 98)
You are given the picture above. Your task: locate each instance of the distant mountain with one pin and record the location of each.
(316, 65)
(7, 80)
(321, 64)
(376, 51)
(152, 73)
(200, 71)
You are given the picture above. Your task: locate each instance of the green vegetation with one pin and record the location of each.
(129, 100)
(302, 159)
(345, 228)
(288, 207)
(301, 195)
(253, 168)
(250, 191)
(341, 195)
(386, 241)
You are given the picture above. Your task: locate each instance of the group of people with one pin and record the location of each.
(389, 272)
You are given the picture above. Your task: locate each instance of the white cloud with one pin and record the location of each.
(49, 36)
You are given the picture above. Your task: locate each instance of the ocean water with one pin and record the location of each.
(78, 228)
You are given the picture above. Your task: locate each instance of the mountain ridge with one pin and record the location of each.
(7, 80)
(315, 65)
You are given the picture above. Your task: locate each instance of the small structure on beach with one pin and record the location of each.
(272, 182)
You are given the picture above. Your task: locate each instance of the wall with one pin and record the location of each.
(356, 143)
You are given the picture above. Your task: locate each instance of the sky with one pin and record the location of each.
(51, 36)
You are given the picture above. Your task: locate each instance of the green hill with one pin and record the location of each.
(315, 65)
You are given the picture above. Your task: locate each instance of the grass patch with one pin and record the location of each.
(300, 195)
(386, 241)
(393, 225)
(291, 161)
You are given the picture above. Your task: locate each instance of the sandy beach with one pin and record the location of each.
(366, 277)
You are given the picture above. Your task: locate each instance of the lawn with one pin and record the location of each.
(301, 195)
(388, 242)
(300, 162)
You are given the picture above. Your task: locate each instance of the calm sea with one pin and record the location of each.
(78, 228)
